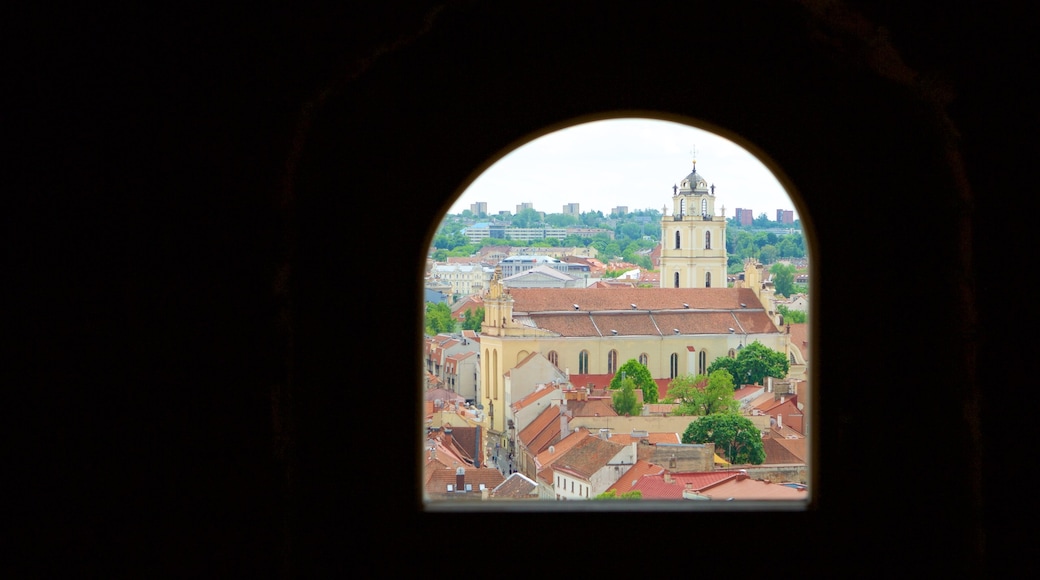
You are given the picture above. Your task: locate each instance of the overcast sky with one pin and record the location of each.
(626, 162)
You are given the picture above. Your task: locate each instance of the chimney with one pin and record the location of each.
(742, 475)
(668, 477)
(779, 421)
(563, 424)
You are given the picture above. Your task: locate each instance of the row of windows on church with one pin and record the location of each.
(707, 279)
(643, 358)
(707, 240)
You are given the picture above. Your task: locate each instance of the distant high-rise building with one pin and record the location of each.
(571, 209)
(744, 216)
(523, 206)
(619, 210)
(785, 216)
(478, 208)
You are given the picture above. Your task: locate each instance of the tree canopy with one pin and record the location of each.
(641, 376)
(704, 395)
(438, 318)
(624, 398)
(735, 437)
(755, 362)
(783, 278)
(613, 494)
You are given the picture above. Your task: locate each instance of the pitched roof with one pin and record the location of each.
(516, 486)
(587, 457)
(591, 408)
(540, 390)
(752, 489)
(439, 480)
(542, 432)
(631, 477)
(782, 450)
(546, 458)
(563, 299)
(800, 338)
(669, 486)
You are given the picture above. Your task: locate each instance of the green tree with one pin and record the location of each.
(783, 278)
(625, 400)
(473, 319)
(612, 494)
(438, 318)
(704, 395)
(735, 437)
(768, 254)
(728, 364)
(790, 316)
(633, 369)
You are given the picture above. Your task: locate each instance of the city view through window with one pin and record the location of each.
(619, 310)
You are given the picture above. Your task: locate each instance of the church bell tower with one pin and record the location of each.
(693, 237)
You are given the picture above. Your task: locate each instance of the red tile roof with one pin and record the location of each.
(539, 392)
(631, 477)
(587, 457)
(542, 432)
(563, 299)
(671, 487)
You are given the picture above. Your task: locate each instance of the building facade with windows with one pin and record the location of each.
(673, 331)
(693, 237)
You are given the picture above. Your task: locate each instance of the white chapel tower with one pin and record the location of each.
(693, 237)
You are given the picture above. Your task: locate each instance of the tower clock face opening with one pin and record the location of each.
(620, 309)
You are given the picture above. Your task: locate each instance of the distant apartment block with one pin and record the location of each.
(785, 216)
(744, 216)
(478, 208)
(571, 209)
(590, 232)
(523, 206)
(619, 210)
(478, 232)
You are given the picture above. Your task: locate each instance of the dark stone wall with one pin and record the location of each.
(184, 201)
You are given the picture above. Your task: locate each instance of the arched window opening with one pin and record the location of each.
(523, 330)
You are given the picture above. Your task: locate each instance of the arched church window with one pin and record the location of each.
(676, 280)
(554, 358)
(673, 366)
(702, 362)
(704, 207)
(682, 207)
(644, 360)
(612, 362)
(677, 240)
(707, 240)
(707, 279)
(583, 362)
